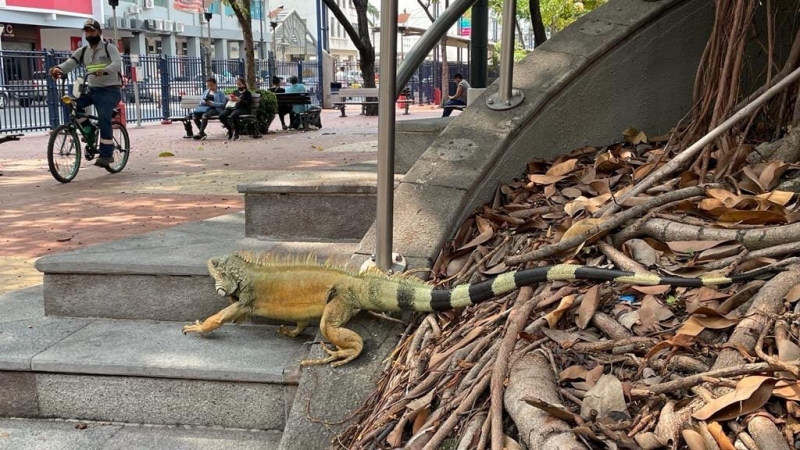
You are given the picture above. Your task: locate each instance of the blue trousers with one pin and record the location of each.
(104, 99)
(447, 111)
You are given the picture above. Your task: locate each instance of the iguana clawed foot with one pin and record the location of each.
(197, 327)
(283, 330)
(342, 356)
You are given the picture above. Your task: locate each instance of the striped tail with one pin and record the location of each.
(411, 296)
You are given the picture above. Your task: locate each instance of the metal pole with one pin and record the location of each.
(430, 39)
(386, 128)
(507, 50)
(506, 97)
(320, 32)
(208, 16)
(478, 44)
(261, 35)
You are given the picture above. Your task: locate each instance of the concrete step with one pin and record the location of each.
(326, 204)
(160, 275)
(135, 371)
(41, 434)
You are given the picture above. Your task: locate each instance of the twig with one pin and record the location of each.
(619, 259)
(783, 365)
(691, 153)
(523, 307)
(604, 346)
(693, 380)
(609, 224)
(447, 427)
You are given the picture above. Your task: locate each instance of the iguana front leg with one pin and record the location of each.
(285, 331)
(349, 343)
(229, 314)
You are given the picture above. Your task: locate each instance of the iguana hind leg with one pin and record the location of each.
(229, 314)
(348, 343)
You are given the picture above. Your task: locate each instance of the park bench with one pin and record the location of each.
(308, 118)
(359, 97)
(190, 102)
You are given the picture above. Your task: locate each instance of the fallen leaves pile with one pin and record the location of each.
(577, 365)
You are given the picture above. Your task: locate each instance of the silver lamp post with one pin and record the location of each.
(208, 15)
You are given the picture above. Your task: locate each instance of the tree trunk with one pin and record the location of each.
(445, 72)
(242, 11)
(539, 33)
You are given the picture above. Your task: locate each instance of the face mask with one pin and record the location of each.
(242, 89)
(93, 40)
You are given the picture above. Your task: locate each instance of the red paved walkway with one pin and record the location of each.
(38, 215)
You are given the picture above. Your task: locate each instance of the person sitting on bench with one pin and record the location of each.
(212, 102)
(283, 110)
(243, 101)
(459, 98)
(297, 109)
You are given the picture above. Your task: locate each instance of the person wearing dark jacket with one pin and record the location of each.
(243, 100)
(283, 110)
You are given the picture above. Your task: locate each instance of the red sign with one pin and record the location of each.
(72, 6)
(192, 6)
(75, 42)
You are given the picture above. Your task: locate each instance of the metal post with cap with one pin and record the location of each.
(208, 15)
(113, 4)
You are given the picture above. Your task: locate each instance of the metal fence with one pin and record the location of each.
(30, 99)
(425, 85)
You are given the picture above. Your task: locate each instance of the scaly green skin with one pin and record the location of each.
(302, 291)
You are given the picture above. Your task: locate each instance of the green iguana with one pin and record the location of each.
(302, 291)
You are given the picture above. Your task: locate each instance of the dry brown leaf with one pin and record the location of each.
(558, 411)
(420, 419)
(545, 179)
(790, 390)
(605, 397)
(693, 440)
(691, 327)
(591, 301)
(692, 246)
(593, 375)
(794, 294)
(753, 217)
(751, 393)
(554, 316)
(573, 373)
(480, 239)
(640, 251)
(652, 290)
(563, 338)
(719, 435)
(777, 197)
(562, 168)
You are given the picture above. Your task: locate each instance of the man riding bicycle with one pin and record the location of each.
(103, 66)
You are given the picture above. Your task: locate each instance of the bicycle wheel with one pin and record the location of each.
(64, 153)
(122, 148)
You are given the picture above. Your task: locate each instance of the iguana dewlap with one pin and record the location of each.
(304, 291)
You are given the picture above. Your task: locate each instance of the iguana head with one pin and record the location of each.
(225, 282)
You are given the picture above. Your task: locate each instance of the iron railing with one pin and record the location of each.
(29, 99)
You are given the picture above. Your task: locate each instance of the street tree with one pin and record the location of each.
(360, 37)
(242, 9)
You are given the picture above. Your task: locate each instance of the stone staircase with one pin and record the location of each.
(101, 340)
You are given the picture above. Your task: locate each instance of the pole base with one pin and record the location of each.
(494, 103)
(399, 264)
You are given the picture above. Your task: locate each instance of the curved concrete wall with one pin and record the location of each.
(628, 63)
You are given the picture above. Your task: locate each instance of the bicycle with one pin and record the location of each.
(64, 146)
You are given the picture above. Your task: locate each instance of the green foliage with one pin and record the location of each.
(556, 14)
(519, 53)
(265, 113)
